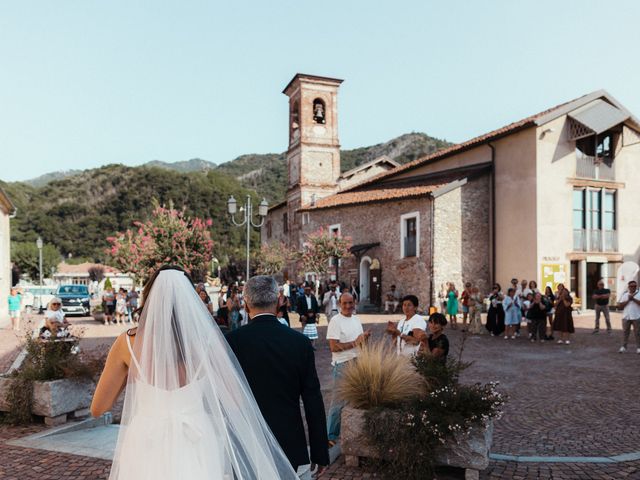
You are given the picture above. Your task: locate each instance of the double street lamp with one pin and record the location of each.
(247, 219)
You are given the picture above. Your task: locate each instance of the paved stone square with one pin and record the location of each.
(567, 405)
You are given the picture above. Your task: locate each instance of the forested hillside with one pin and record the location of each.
(78, 213)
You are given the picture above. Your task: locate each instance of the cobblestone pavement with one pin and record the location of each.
(564, 400)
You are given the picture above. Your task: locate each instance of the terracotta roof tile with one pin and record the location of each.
(369, 196)
(83, 268)
(512, 127)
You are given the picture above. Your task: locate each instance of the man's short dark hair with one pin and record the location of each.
(412, 298)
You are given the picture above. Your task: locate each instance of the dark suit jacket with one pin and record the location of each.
(303, 309)
(279, 364)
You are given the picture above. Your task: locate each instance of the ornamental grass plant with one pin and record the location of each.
(408, 431)
(379, 378)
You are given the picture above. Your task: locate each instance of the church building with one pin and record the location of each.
(552, 198)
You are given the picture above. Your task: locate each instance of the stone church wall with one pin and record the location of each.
(461, 236)
(380, 222)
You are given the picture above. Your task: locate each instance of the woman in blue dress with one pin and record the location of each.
(512, 313)
(452, 305)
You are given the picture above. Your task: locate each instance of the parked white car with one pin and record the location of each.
(35, 296)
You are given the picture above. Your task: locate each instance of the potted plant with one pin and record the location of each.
(412, 414)
(54, 381)
(97, 312)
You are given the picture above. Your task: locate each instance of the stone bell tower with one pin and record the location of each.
(313, 156)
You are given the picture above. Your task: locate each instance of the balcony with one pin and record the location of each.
(594, 168)
(588, 240)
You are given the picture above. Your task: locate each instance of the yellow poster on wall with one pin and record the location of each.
(553, 274)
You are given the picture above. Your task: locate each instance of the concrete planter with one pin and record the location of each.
(468, 452)
(55, 399)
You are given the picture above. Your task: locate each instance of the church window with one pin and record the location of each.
(305, 218)
(269, 229)
(319, 111)
(409, 235)
(285, 223)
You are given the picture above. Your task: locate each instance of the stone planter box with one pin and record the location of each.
(98, 316)
(56, 399)
(471, 453)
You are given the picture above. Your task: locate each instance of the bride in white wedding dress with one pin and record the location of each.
(188, 413)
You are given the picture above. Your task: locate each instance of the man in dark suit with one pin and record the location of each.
(279, 364)
(308, 307)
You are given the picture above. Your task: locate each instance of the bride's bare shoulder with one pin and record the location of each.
(121, 341)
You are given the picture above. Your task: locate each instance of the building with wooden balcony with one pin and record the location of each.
(554, 197)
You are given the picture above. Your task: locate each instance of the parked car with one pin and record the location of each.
(75, 299)
(36, 297)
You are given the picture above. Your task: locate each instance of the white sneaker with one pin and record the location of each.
(506, 337)
(622, 350)
(638, 351)
(560, 342)
(567, 342)
(513, 337)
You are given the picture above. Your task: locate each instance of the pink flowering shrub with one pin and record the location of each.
(273, 258)
(320, 247)
(168, 237)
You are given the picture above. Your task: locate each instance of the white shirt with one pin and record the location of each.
(406, 327)
(331, 301)
(632, 309)
(345, 330)
(308, 302)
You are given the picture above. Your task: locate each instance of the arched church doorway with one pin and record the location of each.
(375, 282)
(365, 279)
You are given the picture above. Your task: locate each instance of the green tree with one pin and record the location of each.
(24, 255)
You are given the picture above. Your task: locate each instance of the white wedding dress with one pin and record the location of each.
(189, 413)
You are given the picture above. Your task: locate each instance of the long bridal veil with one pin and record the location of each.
(189, 413)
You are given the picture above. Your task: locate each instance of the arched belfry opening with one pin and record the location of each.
(319, 111)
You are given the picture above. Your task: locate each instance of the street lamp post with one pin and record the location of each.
(40, 245)
(247, 211)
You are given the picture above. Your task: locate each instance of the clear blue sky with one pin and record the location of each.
(86, 83)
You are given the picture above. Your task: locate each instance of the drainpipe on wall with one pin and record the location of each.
(15, 212)
(432, 300)
(493, 213)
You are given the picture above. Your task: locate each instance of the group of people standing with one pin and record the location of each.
(544, 313)
(120, 307)
(469, 302)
